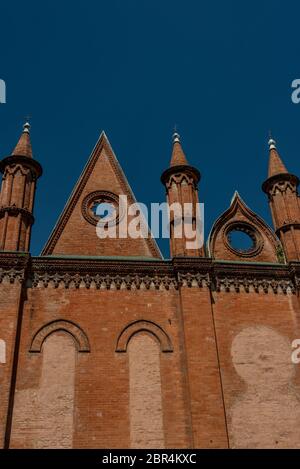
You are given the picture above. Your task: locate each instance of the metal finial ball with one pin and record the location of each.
(26, 127)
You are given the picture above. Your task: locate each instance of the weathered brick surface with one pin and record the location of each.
(102, 381)
(79, 236)
(102, 353)
(205, 393)
(9, 317)
(145, 397)
(260, 383)
(44, 415)
(247, 370)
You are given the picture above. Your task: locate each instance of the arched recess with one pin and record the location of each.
(238, 218)
(144, 342)
(145, 392)
(44, 414)
(75, 331)
(144, 326)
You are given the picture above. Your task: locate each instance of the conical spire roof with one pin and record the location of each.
(276, 165)
(178, 156)
(23, 147)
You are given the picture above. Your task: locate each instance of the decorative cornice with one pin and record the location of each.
(105, 282)
(186, 264)
(230, 284)
(294, 269)
(287, 226)
(34, 165)
(251, 269)
(194, 280)
(11, 275)
(257, 278)
(15, 211)
(280, 182)
(13, 267)
(100, 265)
(113, 274)
(181, 169)
(102, 274)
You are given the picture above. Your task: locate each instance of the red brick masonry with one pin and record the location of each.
(109, 346)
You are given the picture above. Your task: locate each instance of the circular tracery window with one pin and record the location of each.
(243, 239)
(103, 207)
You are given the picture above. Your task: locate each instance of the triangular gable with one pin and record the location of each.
(74, 233)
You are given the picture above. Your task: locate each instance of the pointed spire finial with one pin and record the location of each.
(176, 137)
(271, 142)
(27, 125)
(26, 128)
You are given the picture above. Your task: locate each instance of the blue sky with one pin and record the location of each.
(221, 71)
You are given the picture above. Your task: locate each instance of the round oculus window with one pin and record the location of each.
(243, 239)
(102, 207)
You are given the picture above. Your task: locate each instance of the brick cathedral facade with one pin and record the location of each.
(105, 344)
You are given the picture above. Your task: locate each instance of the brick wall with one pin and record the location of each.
(260, 383)
(224, 374)
(102, 378)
